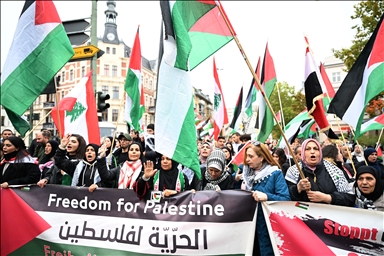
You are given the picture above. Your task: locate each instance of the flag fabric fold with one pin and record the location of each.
(264, 121)
(292, 127)
(376, 123)
(251, 97)
(236, 120)
(134, 105)
(78, 112)
(40, 48)
(364, 81)
(314, 88)
(194, 30)
(219, 109)
(199, 25)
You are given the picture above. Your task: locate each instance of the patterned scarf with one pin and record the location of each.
(363, 202)
(129, 173)
(214, 184)
(250, 178)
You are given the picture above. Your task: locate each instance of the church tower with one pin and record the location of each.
(110, 31)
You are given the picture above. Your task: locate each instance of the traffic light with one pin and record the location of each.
(101, 98)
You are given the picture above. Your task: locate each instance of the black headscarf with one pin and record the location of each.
(48, 157)
(141, 151)
(378, 191)
(167, 179)
(21, 149)
(96, 148)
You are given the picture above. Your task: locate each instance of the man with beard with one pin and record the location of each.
(41, 139)
(121, 154)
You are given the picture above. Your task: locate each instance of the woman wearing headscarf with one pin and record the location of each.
(368, 189)
(205, 149)
(214, 176)
(357, 154)
(262, 176)
(126, 174)
(110, 158)
(168, 178)
(17, 166)
(47, 161)
(370, 155)
(323, 182)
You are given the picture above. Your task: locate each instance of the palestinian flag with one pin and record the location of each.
(363, 82)
(202, 124)
(134, 105)
(40, 48)
(237, 112)
(238, 159)
(219, 109)
(185, 47)
(251, 97)
(207, 128)
(292, 127)
(78, 112)
(314, 90)
(268, 80)
(278, 117)
(199, 27)
(376, 123)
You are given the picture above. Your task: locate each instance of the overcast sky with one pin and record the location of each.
(283, 24)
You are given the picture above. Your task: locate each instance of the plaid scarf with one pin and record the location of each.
(129, 173)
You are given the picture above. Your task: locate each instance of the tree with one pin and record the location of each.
(369, 13)
(292, 103)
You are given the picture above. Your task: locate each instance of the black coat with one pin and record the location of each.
(224, 185)
(20, 173)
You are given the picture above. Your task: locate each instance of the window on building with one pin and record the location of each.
(146, 82)
(113, 50)
(150, 85)
(115, 92)
(336, 77)
(146, 101)
(63, 76)
(115, 114)
(106, 70)
(82, 71)
(114, 70)
(150, 102)
(104, 115)
(104, 89)
(71, 75)
(62, 94)
(2, 120)
(107, 50)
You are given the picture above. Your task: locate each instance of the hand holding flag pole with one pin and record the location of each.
(257, 82)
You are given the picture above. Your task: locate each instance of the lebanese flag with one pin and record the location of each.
(40, 48)
(220, 111)
(134, 106)
(78, 112)
(364, 81)
(376, 123)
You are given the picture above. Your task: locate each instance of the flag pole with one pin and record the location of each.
(281, 106)
(259, 87)
(57, 110)
(378, 141)
(41, 120)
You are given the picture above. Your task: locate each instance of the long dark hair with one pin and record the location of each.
(80, 152)
(281, 154)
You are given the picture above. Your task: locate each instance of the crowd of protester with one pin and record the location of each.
(338, 174)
